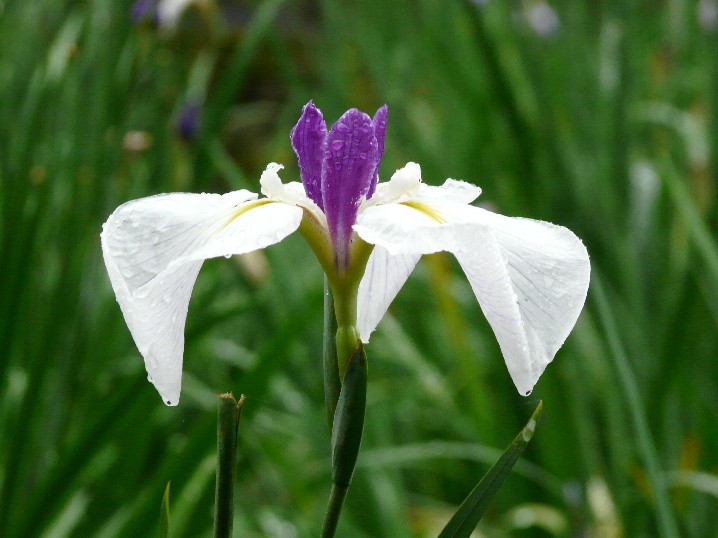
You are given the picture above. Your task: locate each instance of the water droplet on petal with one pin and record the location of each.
(343, 127)
(362, 156)
(337, 145)
(228, 255)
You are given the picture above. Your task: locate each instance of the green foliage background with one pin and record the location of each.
(607, 125)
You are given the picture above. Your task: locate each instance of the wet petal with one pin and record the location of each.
(379, 122)
(404, 184)
(530, 277)
(544, 270)
(350, 158)
(384, 276)
(487, 273)
(453, 190)
(153, 249)
(411, 229)
(307, 139)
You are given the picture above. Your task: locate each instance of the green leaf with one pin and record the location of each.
(165, 513)
(469, 513)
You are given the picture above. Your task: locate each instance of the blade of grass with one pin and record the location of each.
(664, 513)
(165, 514)
(464, 521)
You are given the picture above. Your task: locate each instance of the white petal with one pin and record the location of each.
(292, 193)
(384, 276)
(404, 183)
(531, 279)
(153, 249)
(453, 190)
(404, 229)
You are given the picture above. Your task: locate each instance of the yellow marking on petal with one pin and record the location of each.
(426, 210)
(243, 209)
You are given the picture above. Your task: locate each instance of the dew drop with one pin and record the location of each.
(228, 255)
(343, 127)
(337, 145)
(362, 156)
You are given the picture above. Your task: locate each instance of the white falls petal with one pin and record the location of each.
(153, 249)
(530, 278)
(403, 229)
(384, 276)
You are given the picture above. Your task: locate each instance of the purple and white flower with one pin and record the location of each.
(530, 277)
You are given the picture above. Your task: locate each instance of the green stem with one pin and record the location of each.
(346, 435)
(228, 414)
(336, 501)
(332, 382)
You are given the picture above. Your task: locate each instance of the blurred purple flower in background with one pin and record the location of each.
(187, 122)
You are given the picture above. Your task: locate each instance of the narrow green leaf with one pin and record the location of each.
(464, 521)
(165, 513)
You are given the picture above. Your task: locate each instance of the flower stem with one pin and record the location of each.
(347, 431)
(336, 501)
(332, 382)
(228, 413)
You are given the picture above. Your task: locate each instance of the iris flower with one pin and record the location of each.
(529, 277)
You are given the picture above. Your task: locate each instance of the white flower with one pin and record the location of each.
(530, 277)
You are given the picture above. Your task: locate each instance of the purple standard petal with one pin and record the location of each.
(307, 139)
(350, 160)
(379, 122)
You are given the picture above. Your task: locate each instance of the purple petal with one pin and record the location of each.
(379, 122)
(350, 161)
(307, 138)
